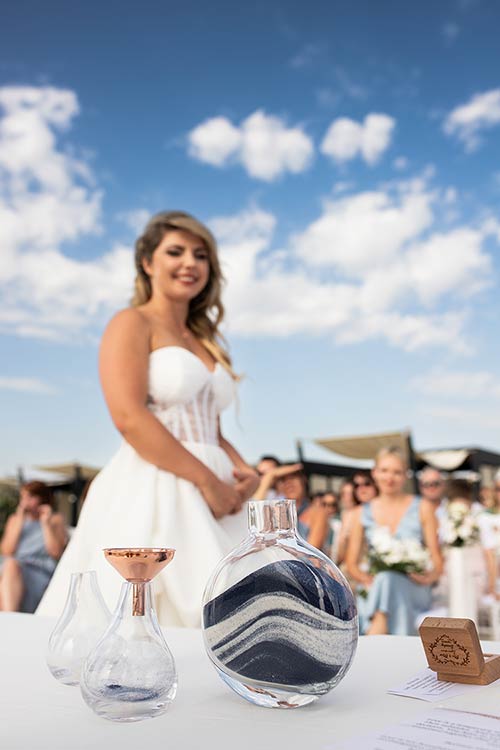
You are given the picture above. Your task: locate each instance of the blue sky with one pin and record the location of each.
(346, 156)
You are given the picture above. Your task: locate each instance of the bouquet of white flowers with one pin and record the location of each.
(401, 555)
(460, 527)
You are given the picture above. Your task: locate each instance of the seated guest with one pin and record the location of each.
(364, 487)
(393, 599)
(487, 498)
(270, 469)
(346, 496)
(267, 463)
(33, 540)
(265, 468)
(289, 480)
(330, 504)
(348, 502)
(313, 523)
(490, 535)
(432, 485)
(317, 497)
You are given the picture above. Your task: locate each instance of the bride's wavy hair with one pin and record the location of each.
(206, 310)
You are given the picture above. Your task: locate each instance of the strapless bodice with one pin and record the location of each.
(186, 396)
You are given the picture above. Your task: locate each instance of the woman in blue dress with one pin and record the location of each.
(33, 541)
(393, 599)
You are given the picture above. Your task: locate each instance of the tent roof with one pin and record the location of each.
(445, 459)
(69, 471)
(366, 446)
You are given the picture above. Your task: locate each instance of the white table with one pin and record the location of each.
(38, 712)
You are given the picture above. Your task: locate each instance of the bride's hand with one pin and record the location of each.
(247, 481)
(221, 498)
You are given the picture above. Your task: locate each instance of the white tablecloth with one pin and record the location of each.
(38, 712)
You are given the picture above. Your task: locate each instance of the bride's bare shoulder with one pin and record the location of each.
(130, 323)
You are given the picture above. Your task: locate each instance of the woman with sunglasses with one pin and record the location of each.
(365, 488)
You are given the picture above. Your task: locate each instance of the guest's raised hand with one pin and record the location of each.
(282, 471)
(44, 513)
(268, 479)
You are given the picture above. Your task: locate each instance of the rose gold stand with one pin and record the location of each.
(138, 565)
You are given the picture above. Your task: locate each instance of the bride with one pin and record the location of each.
(175, 481)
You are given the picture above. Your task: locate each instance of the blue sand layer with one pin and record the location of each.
(294, 577)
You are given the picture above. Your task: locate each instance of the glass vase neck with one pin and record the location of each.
(275, 516)
(84, 591)
(135, 600)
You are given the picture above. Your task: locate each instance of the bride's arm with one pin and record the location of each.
(123, 369)
(247, 479)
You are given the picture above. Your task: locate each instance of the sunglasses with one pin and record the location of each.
(431, 484)
(329, 505)
(362, 484)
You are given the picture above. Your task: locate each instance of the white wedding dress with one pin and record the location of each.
(132, 503)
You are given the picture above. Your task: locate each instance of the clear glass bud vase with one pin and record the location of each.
(130, 675)
(84, 619)
(279, 619)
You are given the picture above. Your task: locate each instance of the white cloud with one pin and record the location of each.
(364, 231)
(345, 138)
(448, 262)
(45, 194)
(262, 144)
(408, 331)
(214, 141)
(348, 85)
(473, 420)
(371, 265)
(135, 219)
(327, 97)
(467, 121)
(395, 277)
(25, 385)
(48, 197)
(307, 56)
(455, 384)
(451, 31)
(400, 163)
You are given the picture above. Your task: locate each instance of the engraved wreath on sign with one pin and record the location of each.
(446, 650)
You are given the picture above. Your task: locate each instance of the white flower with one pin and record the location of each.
(461, 526)
(388, 551)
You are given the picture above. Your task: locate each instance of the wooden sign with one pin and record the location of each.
(453, 650)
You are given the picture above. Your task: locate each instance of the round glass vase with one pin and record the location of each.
(279, 619)
(84, 619)
(130, 675)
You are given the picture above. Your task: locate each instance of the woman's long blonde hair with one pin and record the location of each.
(206, 310)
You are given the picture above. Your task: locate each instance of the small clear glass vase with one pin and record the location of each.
(84, 619)
(130, 675)
(279, 619)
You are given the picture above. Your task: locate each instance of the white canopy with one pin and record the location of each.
(446, 460)
(367, 446)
